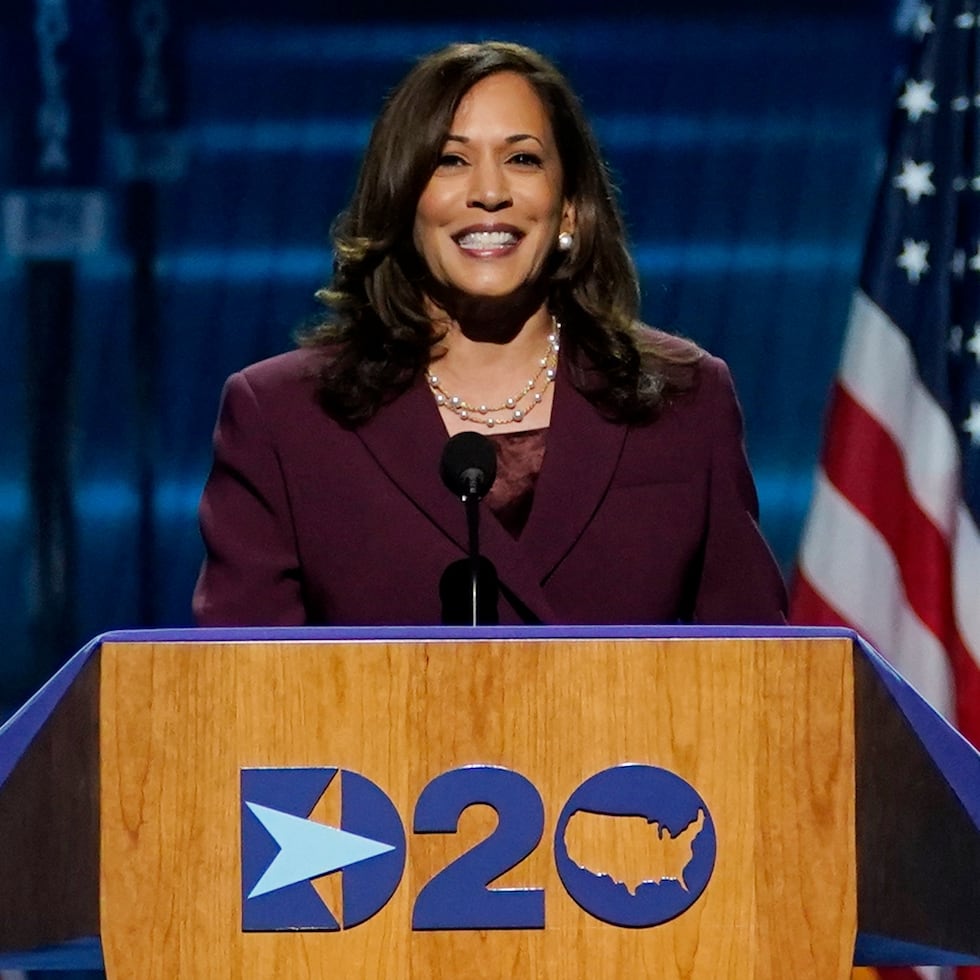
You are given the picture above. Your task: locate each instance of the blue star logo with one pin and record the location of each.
(283, 850)
(308, 849)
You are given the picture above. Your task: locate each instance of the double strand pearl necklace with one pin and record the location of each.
(514, 409)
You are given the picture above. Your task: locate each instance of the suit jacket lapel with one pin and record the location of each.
(407, 437)
(582, 452)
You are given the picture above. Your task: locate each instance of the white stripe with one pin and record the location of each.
(849, 563)
(966, 582)
(878, 371)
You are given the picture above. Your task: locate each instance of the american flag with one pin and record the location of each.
(891, 546)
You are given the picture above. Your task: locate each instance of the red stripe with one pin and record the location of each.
(865, 464)
(807, 607)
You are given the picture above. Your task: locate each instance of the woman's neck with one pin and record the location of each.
(506, 371)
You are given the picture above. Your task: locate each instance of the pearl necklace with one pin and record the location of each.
(518, 407)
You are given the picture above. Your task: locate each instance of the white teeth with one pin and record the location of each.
(487, 239)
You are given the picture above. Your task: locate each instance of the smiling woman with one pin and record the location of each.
(482, 283)
(485, 227)
(492, 211)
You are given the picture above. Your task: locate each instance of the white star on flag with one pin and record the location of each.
(973, 344)
(960, 104)
(916, 180)
(916, 98)
(923, 21)
(966, 20)
(972, 425)
(958, 264)
(955, 340)
(914, 259)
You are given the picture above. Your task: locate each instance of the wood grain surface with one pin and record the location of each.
(763, 729)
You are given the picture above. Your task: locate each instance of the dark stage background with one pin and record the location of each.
(170, 174)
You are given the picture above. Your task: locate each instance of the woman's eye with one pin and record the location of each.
(451, 160)
(526, 159)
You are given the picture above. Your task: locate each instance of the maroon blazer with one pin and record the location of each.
(306, 522)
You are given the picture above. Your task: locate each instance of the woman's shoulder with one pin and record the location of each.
(282, 387)
(294, 368)
(280, 396)
(682, 366)
(677, 349)
(692, 377)
(295, 374)
(670, 347)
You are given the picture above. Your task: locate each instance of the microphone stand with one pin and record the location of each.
(472, 504)
(469, 588)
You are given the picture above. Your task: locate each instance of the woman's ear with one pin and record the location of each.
(567, 218)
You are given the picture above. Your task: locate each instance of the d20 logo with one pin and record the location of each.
(635, 845)
(284, 849)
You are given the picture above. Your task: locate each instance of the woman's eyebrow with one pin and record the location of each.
(516, 138)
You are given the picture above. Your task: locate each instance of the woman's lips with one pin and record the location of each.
(488, 241)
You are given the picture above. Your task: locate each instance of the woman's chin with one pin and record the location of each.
(490, 298)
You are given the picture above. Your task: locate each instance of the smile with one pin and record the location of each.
(487, 241)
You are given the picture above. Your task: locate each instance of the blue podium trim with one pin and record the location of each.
(22, 727)
(871, 950)
(956, 759)
(76, 954)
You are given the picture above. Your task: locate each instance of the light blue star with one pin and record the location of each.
(308, 849)
(914, 259)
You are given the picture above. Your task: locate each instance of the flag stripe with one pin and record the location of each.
(966, 585)
(878, 369)
(920, 551)
(919, 548)
(846, 561)
(898, 433)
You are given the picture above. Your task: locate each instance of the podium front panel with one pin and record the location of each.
(670, 808)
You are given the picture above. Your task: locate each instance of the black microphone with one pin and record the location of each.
(469, 465)
(469, 588)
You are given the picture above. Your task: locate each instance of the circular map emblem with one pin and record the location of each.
(635, 845)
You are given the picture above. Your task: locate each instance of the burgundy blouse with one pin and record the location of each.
(519, 458)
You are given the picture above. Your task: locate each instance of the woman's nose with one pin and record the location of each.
(488, 188)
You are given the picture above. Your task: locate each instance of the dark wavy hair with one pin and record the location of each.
(379, 337)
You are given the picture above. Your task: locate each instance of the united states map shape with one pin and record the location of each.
(631, 850)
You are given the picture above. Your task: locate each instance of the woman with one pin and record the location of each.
(482, 283)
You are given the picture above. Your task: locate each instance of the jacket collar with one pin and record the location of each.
(406, 438)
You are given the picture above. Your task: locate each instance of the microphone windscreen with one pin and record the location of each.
(469, 464)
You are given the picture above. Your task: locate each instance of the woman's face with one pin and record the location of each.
(492, 211)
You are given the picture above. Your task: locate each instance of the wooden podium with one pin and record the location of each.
(845, 814)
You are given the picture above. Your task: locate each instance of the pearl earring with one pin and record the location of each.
(565, 241)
